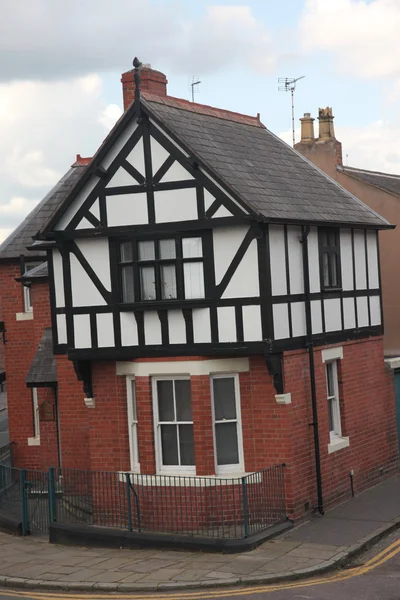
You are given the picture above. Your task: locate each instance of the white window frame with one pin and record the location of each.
(223, 470)
(132, 424)
(35, 440)
(337, 441)
(160, 468)
(28, 307)
(334, 400)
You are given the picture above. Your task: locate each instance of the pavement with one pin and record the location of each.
(321, 544)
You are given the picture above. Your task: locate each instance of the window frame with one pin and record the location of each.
(232, 469)
(133, 425)
(161, 469)
(330, 251)
(178, 262)
(36, 415)
(27, 292)
(336, 432)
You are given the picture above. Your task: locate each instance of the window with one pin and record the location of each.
(27, 289)
(227, 426)
(162, 269)
(173, 425)
(332, 385)
(133, 425)
(36, 421)
(329, 249)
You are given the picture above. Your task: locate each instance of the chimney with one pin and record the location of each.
(307, 128)
(325, 118)
(151, 81)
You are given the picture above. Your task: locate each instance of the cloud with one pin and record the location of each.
(47, 40)
(362, 35)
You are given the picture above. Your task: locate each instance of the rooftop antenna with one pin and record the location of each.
(192, 86)
(288, 84)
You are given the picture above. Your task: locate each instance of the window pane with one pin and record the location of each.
(330, 415)
(167, 249)
(146, 250)
(324, 238)
(194, 280)
(325, 269)
(192, 247)
(224, 398)
(183, 400)
(334, 276)
(127, 284)
(147, 283)
(133, 396)
(330, 377)
(126, 252)
(331, 238)
(165, 397)
(168, 282)
(186, 444)
(227, 443)
(169, 444)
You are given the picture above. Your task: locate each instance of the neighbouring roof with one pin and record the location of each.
(39, 272)
(21, 237)
(384, 181)
(43, 370)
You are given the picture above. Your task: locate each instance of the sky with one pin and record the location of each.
(61, 64)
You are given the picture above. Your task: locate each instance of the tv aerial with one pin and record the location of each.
(193, 86)
(288, 84)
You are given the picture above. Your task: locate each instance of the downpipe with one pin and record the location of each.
(305, 230)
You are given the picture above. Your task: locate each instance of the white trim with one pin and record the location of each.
(332, 354)
(333, 400)
(175, 480)
(393, 363)
(160, 468)
(133, 441)
(283, 398)
(24, 316)
(224, 470)
(90, 402)
(36, 418)
(184, 367)
(34, 441)
(338, 443)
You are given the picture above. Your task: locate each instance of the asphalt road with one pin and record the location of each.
(4, 439)
(373, 576)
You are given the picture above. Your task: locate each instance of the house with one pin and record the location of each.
(218, 299)
(379, 191)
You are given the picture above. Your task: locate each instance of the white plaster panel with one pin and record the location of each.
(119, 144)
(349, 313)
(136, 157)
(129, 334)
(84, 292)
(77, 203)
(226, 324)
(222, 212)
(208, 199)
(375, 310)
(82, 331)
(176, 327)
(277, 257)
(105, 330)
(295, 260)
(176, 173)
(244, 210)
(84, 224)
(346, 259)
(96, 252)
(360, 264)
(58, 279)
(298, 318)
(158, 154)
(362, 312)
(152, 328)
(316, 316)
(61, 329)
(281, 321)
(127, 209)
(95, 209)
(333, 314)
(175, 205)
(120, 178)
(226, 243)
(244, 281)
(252, 330)
(373, 267)
(313, 259)
(201, 325)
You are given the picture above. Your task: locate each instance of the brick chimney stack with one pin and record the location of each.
(325, 151)
(325, 118)
(307, 128)
(151, 81)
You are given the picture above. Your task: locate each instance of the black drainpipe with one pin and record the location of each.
(57, 415)
(305, 230)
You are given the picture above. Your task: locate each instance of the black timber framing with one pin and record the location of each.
(52, 295)
(265, 282)
(367, 273)
(353, 256)
(251, 234)
(90, 272)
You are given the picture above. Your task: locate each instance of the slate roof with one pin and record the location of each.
(43, 371)
(267, 174)
(39, 272)
(21, 237)
(384, 181)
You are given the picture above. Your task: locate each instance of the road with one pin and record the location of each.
(373, 576)
(3, 428)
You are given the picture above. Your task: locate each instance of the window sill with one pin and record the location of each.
(338, 443)
(34, 441)
(24, 316)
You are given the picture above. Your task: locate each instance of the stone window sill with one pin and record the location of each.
(34, 441)
(24, 316)
(338, 443)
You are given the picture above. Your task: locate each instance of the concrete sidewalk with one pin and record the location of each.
(321, 544)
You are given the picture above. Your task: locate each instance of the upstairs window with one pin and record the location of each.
(162, 269)
(329, 256)
(27, 290)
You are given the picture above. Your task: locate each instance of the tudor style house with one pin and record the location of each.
(219, 299)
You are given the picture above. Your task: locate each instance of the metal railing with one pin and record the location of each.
(212, 507)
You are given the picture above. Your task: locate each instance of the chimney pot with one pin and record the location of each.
(307, 128)
(151, 81)
(325, 118)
